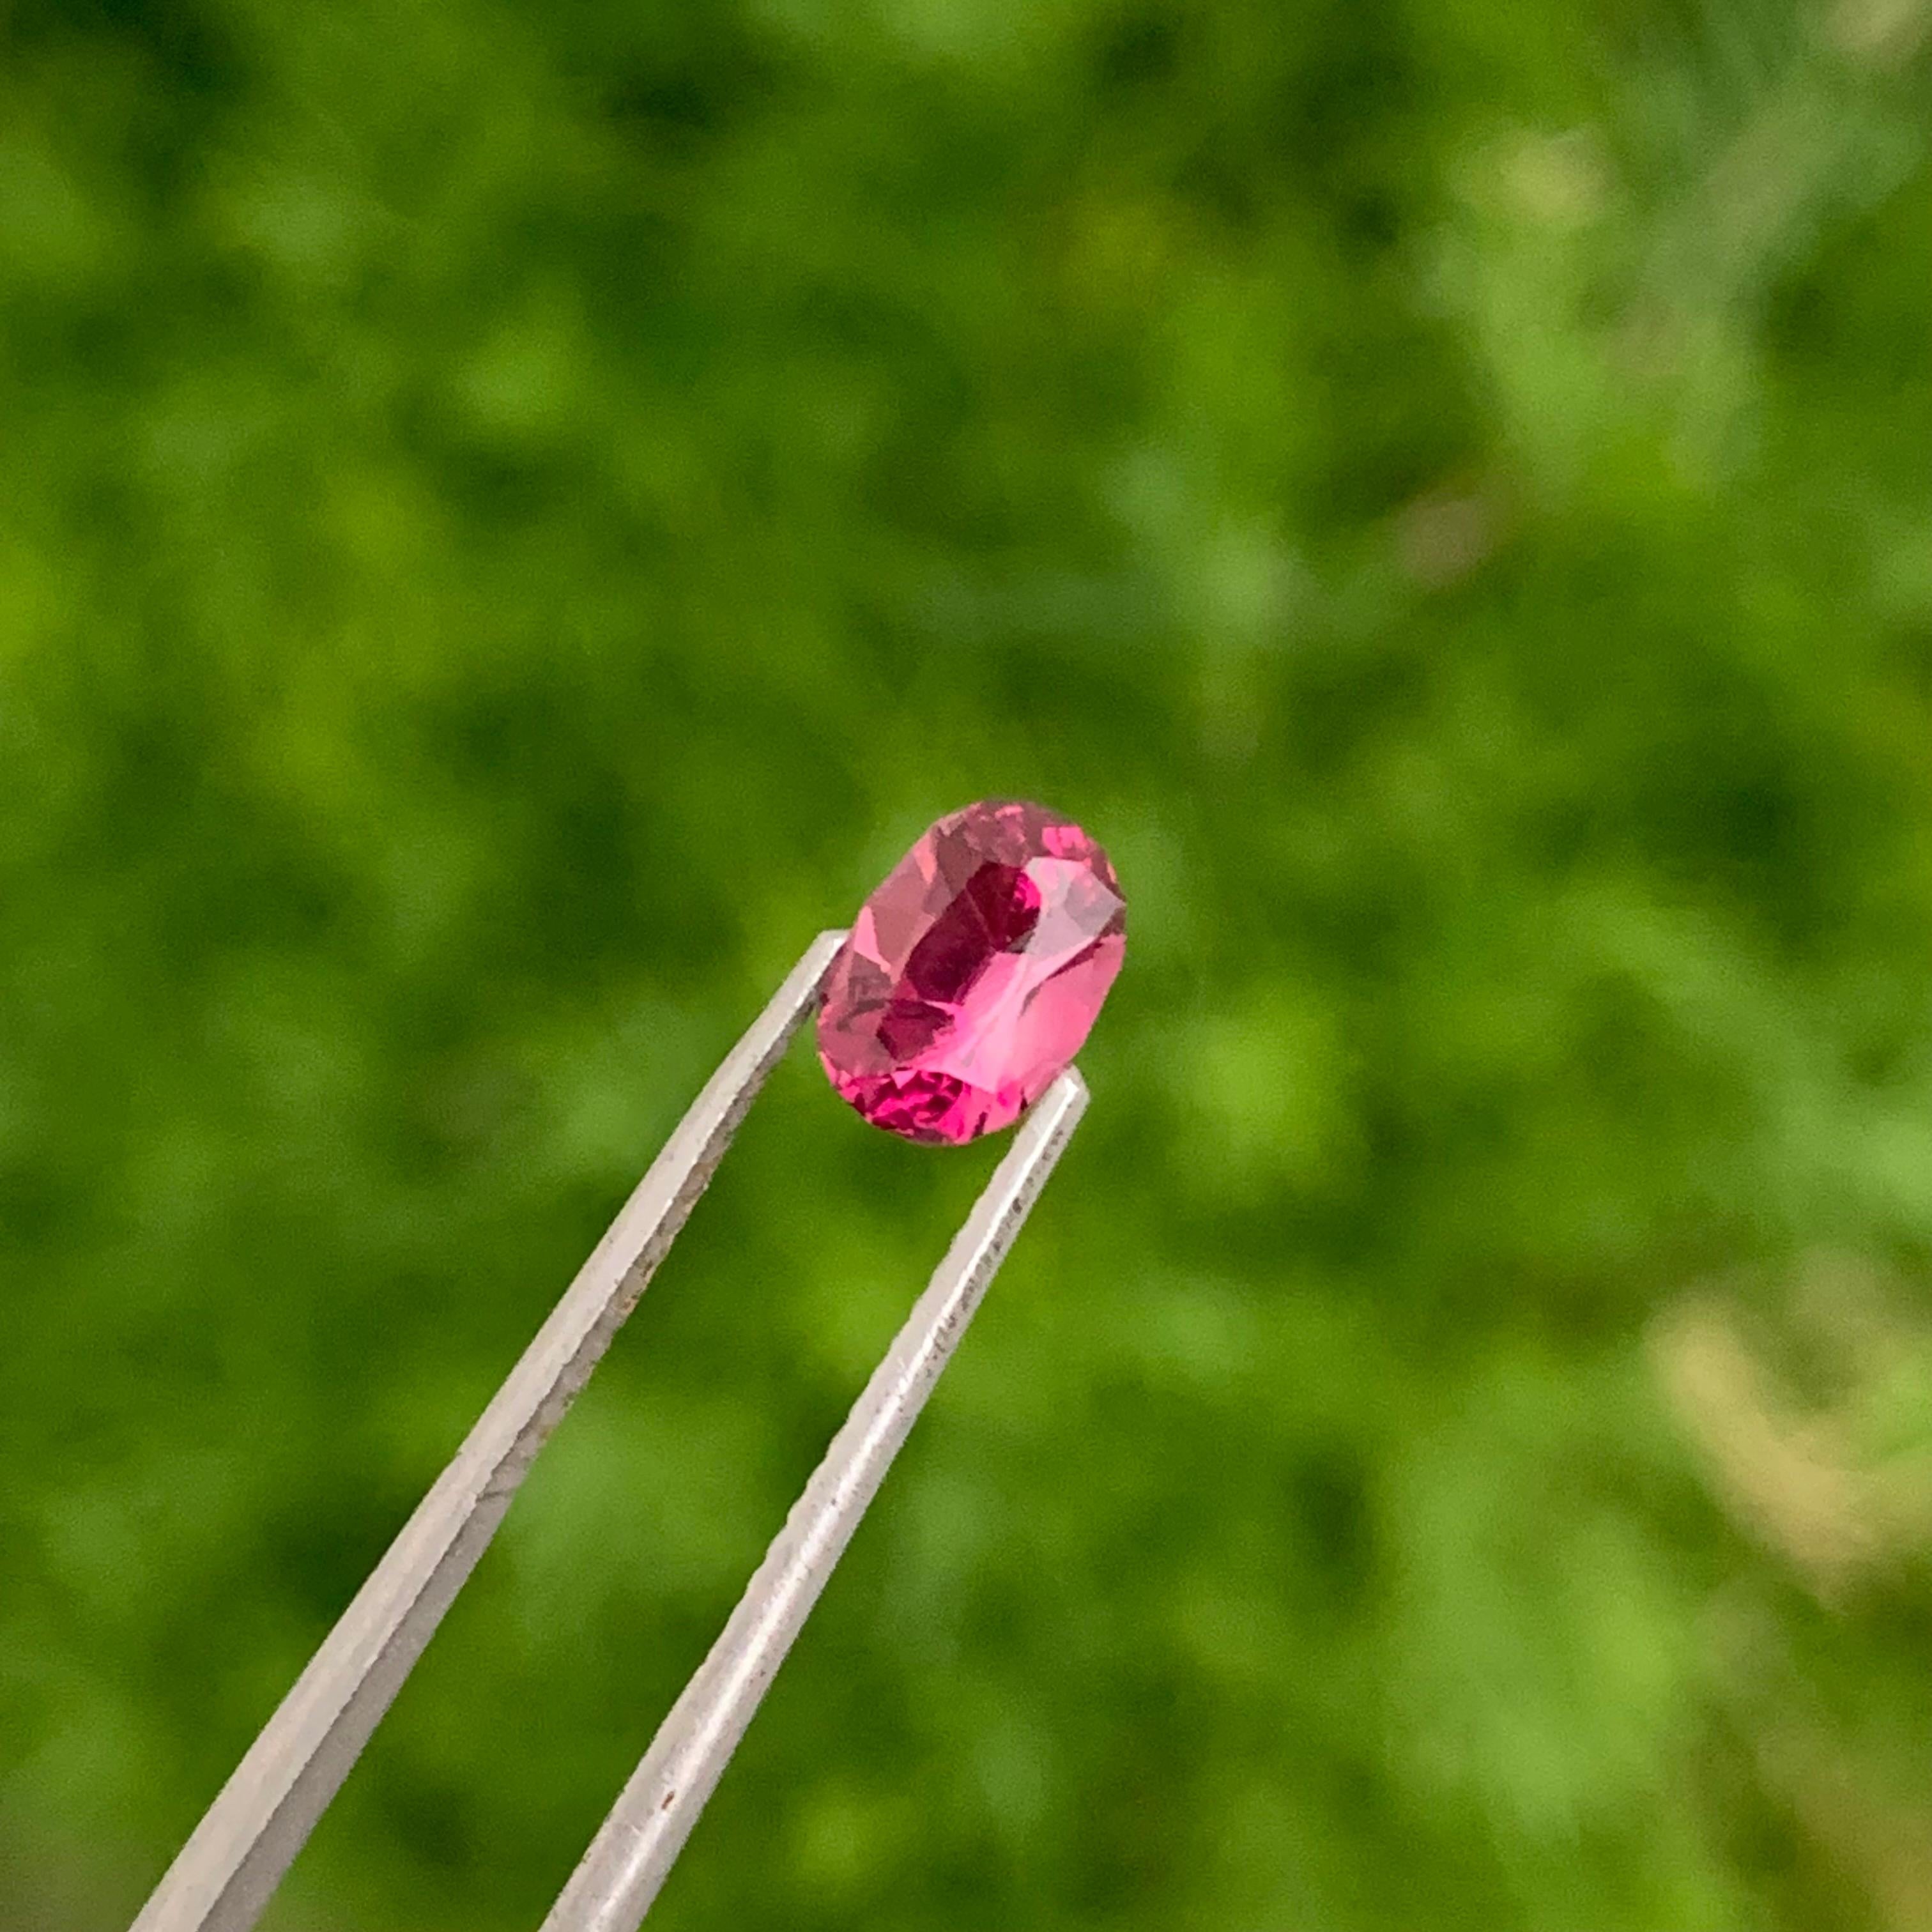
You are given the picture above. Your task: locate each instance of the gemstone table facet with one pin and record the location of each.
(972, 974)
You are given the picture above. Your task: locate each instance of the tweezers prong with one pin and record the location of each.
(613, 1886)
(223, 1876)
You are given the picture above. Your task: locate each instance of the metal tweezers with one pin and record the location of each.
(223, 1876)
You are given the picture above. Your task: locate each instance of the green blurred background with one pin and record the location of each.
(512, 517)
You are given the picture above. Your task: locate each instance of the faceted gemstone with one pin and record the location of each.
(972, 974)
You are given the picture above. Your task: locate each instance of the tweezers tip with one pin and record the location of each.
(1060, 1107)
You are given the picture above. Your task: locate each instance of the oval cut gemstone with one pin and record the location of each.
(972, 974)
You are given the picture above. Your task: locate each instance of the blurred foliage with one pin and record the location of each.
(512, 517)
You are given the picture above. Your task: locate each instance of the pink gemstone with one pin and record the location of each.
(974, 974)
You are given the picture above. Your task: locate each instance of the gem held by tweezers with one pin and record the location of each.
(972, 974)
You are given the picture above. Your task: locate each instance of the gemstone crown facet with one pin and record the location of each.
(972, 976)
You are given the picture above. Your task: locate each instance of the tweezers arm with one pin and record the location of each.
(225, 1873)
(620, 1874)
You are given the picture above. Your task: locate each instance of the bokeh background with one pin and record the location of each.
(511, 517)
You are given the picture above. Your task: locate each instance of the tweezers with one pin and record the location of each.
(223, 1876)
